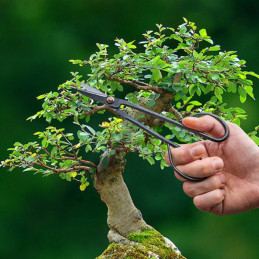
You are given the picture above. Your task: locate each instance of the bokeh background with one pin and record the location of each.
(51, 218)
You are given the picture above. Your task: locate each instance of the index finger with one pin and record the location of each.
(206, 124)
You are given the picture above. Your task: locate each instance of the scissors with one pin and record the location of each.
(115, 104)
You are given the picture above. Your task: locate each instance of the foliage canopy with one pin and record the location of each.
(176, 72)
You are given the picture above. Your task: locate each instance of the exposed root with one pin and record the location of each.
(147, 244)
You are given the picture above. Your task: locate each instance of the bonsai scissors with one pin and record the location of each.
(115, 104)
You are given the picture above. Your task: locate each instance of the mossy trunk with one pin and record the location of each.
(129, 236)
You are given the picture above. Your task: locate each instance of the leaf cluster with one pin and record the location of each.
(181, 63)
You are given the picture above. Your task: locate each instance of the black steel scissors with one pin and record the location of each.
(115, 104)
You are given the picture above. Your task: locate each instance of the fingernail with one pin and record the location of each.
(197, 150)
(217, 164)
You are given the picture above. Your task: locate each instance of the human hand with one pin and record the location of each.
(232, 168)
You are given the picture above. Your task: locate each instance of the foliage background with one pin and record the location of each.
(50, 218)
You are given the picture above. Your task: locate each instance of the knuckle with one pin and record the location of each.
(181, 155)
(188, 189)
(203, 169)
(198, 202)
(218, 195)
(215, 182)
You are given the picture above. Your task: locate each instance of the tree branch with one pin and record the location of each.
(144, 87)
(176, 113)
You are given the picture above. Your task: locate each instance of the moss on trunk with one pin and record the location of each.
(149, 243)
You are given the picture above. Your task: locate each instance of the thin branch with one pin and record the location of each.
(134, 84)
(176, 113)
(96, 109)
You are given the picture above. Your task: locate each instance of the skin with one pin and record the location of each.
(232, 168)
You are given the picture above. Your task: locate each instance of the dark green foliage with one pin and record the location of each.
(193, 68)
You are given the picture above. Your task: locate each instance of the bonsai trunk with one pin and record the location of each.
(130, 236)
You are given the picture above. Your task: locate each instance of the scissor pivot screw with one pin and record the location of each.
(110, 99)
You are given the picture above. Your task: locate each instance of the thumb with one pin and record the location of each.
(206, 124)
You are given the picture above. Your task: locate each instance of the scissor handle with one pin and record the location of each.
(179, 124)
(176, 123)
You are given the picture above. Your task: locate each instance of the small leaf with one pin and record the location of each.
(156, 74)
(232, 87)
(218, 93)
(29, 169)
(82, 135)
(203, 33)
(73, 174)
(214, 48)
(242, 93)
(106, 161)
(196, 103)
(112, 152)
(151, 103)
(83, 186)
(249, 90)
(41, 96)
(255, 139)
(90, 129)
(105, 124)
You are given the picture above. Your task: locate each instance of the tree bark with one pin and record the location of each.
(124, 219)
(130, 236)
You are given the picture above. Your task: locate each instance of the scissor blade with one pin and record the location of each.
(92, 90)
(92, 93)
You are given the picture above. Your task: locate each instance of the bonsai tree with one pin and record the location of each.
(176, 72)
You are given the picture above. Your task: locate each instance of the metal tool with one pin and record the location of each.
(115, 104)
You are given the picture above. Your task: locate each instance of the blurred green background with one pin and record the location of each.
(51, 218)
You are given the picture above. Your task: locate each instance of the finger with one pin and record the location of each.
(187, 153)
(214, 182)
(202, 168)
(210, 201)
(206, 124)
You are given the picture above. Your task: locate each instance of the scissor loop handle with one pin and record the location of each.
(204, 135)
(187, 177)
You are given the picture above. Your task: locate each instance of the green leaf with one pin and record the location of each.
(209, 40)
(195, 103)
(189, 108)
(29, 169)
(112, 152)
(41, 96)
(232, 87)
(218, 93)
(251, 73)
(255, 139)
(156, 74)
(82, 135)
(151, 103)
(176, 37)
(203, 33)
(44, 142)
(106, 161)
(117, 136)
(214, 48)
(83, 186)
(242, 93)
(53, 151)
(150, 159)
(249, 90)
(90, 129)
